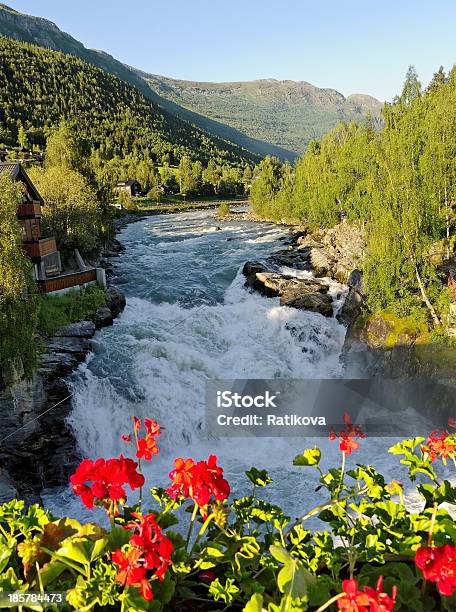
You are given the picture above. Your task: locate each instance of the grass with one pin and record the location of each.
(56, 311)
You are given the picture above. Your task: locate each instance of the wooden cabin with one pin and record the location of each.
(132, 187)
(43, 252)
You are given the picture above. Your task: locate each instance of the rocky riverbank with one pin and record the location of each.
(38, 449)
(333, 254)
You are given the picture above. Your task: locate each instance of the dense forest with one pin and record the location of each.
(40, 87)
(399, 183)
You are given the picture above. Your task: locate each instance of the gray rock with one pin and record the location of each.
(321, 261)
(315, 302)
(102, 317)
(353, 304)
(68, 345)
(7, 489)
(115, 300)
(81, 329)
(250, 270)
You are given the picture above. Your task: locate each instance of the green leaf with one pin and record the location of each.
(260, 478)
(255, 603)
(74, 551)
(309, 457)
(225, 592)
(280, 554)
(5, 554)
(293, 579)
(52, 570)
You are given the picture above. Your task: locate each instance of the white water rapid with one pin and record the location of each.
(188, 319)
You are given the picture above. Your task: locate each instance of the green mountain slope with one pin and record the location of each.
(285, 113)
(43, 32)
(266, 117)
(40, 87)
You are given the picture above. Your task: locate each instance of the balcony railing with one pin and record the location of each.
(40, 248)
(65, 281)
(29, 210)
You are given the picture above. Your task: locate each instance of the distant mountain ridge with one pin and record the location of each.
(287, 114)
(265, 116)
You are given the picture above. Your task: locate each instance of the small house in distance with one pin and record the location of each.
(43, 253)
(132, 187)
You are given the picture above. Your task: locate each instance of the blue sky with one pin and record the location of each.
(353, 46)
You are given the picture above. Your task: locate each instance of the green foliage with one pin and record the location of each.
(17, 294)
(71, 211)
(56, 311)
(223, 210)
(398, 183)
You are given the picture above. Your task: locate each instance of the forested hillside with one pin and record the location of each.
(286, 114)
(400, 183)
(40, 87)
(267, 117)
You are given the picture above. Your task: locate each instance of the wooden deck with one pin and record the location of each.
(65, 281)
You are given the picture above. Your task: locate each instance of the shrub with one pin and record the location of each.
(223, 210)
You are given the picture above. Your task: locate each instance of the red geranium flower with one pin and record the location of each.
(147, 556)
(199, 481)
(439, 444)
(438, 564)
(367, 599)
(102, 482)
(347, 436)
(353, 600)
(145, 447)
(132, 572)
(378, 600)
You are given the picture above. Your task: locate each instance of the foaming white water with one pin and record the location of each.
(189, 319)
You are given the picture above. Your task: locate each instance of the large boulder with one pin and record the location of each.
(302, 293)
(250, 270)
(115, 300)
(102, 317)
(315, 302)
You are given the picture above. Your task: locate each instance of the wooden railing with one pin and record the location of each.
(65, 281)
(40, 248)
(29, 209)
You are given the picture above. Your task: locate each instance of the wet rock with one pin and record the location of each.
(115, 300)
(7, 489)
(81, 329)
(102, 317)
(250, 270)
(315, 302)
(73, 345)
(352, 306)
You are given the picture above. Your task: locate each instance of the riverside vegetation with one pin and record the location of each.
(398, 183)
(242, 554)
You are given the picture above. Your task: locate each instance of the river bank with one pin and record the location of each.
(38, 448)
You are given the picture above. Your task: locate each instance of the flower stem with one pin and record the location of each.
(190, 527)
(330, 602)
